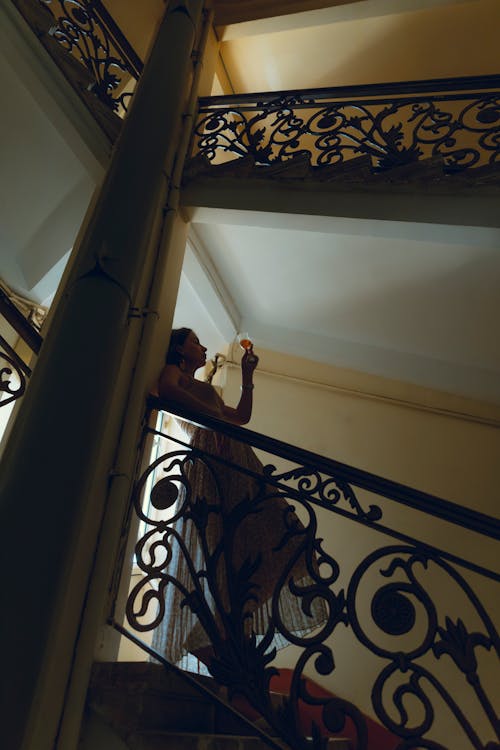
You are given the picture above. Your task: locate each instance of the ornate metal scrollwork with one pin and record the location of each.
(79, 28)
(462, 129)
(397, 605)
(13, 376)
(421, 632)
(327, 490)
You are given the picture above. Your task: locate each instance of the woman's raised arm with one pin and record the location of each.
(242, 413)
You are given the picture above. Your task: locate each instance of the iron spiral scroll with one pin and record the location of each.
(82, 28)
(461, 128)
(13, 374)
(388, 605)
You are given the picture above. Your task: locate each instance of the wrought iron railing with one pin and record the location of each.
(14, 372)
(87, 30)
(243, 556)
(392, 125)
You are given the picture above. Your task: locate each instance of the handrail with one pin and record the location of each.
(463, 83)
(20, 323)
(445, 509)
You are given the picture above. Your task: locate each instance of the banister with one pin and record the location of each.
(424, 502)
(233, 563)
(464, 83)
(17, 320)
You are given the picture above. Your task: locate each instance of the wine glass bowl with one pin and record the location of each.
(245, 341)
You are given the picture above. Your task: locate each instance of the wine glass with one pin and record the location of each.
(246, 343)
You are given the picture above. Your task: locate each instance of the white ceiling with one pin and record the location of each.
(414, 302)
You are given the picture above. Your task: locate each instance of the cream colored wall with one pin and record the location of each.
(432, 441)
(406, 433)
(455, 40)
(138, 21)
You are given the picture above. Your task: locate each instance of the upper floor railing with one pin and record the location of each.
(86, 29)
(91, 50)
(451, 124)
(392, 125)
(239, 557)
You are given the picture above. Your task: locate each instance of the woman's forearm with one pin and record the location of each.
(242, 413)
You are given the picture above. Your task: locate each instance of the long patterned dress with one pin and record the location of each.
(247, 538)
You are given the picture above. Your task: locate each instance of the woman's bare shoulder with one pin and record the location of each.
(171, 373)
(170, 377)
(172, 382)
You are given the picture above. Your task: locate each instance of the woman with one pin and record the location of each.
(177, 382)
(235, 528)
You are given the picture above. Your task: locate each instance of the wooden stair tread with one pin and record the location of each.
(144, 704)
(193, 741)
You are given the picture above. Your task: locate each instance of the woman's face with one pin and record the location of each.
(193, 353)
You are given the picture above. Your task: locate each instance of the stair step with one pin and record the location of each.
(296, 167)
(431, 169)
(193, 741)
(132, 696)
(144, 703)
(430, 172)
(359, 168)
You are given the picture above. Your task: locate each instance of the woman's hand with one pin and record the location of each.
(249, 362)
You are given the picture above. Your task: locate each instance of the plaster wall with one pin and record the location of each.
(457, 39)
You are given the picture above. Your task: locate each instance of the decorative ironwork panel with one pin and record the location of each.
(235, 567)
(461, 127)
(13, 374)
(87, 31)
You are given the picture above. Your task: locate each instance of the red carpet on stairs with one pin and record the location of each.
(379, 738)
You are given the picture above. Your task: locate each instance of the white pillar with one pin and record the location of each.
(58, 465)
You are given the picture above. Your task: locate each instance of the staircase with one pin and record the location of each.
(139, 706)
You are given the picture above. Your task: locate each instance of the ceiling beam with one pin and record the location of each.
(235, 20)
(397, 202)
(228, 12)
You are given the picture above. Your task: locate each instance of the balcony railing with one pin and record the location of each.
(86, 30)
(221, 541)
(90, 48)
(391, 125)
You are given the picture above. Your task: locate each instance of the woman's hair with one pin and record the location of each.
(177, 338)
